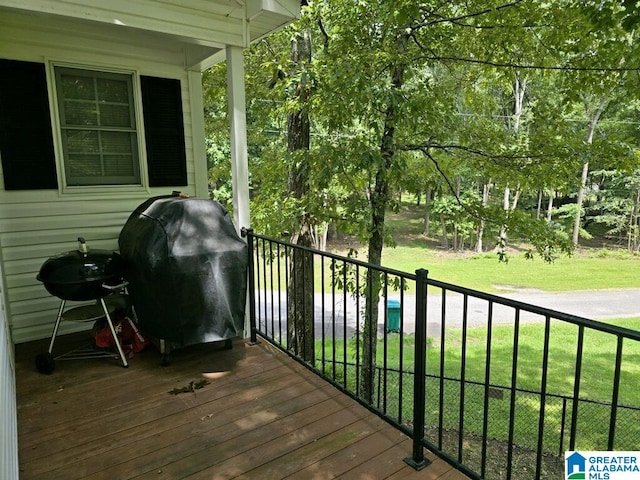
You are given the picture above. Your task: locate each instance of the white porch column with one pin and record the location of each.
(237, 114)
(239, 155)
(197, 126)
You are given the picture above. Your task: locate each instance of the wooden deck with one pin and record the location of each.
(262, 416)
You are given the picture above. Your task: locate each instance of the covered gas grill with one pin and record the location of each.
(82, 275)
(187, 271)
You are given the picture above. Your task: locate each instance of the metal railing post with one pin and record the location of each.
(417, 460)
(248, 232)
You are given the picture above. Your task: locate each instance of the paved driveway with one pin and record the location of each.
(334, 315)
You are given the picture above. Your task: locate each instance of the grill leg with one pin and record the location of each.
(55, 327)
(165, 351)
(123, 357)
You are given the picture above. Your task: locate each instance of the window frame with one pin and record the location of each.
(66, 183)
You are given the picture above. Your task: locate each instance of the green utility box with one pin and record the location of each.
(393, 315)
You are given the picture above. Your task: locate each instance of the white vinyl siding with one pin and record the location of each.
(35, 225)
(8, 420)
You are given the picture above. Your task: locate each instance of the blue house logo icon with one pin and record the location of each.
(576, 467)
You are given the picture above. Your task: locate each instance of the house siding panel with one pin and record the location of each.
(35, 225)
(8, 419)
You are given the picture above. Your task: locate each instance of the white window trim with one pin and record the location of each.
(97, 190)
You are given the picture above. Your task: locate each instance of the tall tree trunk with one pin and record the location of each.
(427, 212)
(455, 237)
(379, 198)
(444, 240)
(502, 241)
(539, 208)
(519, 90)
(632, 243)
(516, 197)
(550, 206)
(300, 297)
(593, 117)
(485, 201)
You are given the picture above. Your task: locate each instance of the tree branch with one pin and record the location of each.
(567, 68)
(457, 20)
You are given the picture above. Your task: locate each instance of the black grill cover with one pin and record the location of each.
(187, 270)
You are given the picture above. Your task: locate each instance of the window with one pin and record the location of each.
(98, 127)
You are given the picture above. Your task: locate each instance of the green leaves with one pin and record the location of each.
(452, 96)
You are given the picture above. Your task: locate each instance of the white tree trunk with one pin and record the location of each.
(550, 206)
(593, 117)
(485, 201)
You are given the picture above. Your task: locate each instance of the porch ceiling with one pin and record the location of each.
(202, 28)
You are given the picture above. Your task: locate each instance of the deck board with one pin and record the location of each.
(261, 416)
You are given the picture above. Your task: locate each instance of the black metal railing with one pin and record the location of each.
(498, 388)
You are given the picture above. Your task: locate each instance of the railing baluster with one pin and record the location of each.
(279, 271)
(543, 394)
(344, 326)
(562, 426)
(401, 352)
(260, 266)
(487, 380)
(251, 286)
(514, 386)
(333, 318)
(385, 346)
(323, 318)
(576, 389)
(264, 280)
(614, 397)
(287, 279)
(357, 333)
(271, 288)
(463, 374)
(441, 408)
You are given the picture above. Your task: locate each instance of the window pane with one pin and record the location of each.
(86, 141)
(115, 116)
(80, 113)
(81, 165)
(111, 90)
(77, 87)
(118, 165)
(117, 142)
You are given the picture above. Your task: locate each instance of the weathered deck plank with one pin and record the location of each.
(261, 416)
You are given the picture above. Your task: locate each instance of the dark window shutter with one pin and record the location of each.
(164, 131)
(26, 140)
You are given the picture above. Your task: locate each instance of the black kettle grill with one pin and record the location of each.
(82, 275)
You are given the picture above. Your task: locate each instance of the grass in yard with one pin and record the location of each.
(588, 268)
(596, 383)
(483, 272)
(601, 269)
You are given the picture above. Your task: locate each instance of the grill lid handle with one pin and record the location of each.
(82, 245)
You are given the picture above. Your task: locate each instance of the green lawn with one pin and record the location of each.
(596, 382)
(583, 271)
(587, 268)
